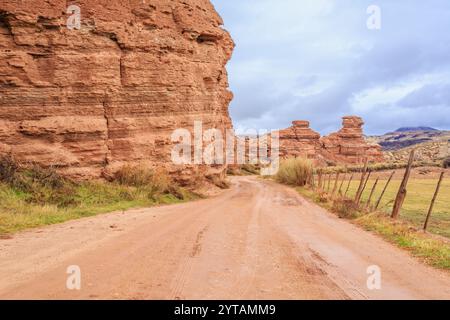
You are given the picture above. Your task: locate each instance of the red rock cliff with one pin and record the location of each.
(92, 100)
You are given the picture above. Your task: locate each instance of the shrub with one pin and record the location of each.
(446, 163)
(148, 180)
(219, 181)
(250, 169)
(39, 185)
(322, 197)
(8, 169)
(138, 176)
(295, 171)
(345, 208)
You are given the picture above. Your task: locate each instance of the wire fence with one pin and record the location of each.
(424, 202)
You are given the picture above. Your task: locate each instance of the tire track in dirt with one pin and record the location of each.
(258, 240)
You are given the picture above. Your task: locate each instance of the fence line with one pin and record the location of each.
(323, 183)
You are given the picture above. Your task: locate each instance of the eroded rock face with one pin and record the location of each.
(89, 101)
(299, 141)
(347, 146)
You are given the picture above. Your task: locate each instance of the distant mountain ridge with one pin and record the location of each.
(415, 129)
(410, 136)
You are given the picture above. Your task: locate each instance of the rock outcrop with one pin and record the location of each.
(347, 146)
(91, 100)
(299, 141)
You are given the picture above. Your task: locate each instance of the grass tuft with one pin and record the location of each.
(295, 171)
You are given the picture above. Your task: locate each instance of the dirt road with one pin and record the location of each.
(258, 240)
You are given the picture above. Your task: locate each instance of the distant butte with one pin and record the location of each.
(347, 146)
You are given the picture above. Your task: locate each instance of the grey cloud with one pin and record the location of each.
(427, 96)
(323, 47)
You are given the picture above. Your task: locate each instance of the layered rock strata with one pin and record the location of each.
(91, 100)
(299, 141)
(347, 146)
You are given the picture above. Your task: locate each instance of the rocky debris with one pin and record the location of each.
(347, 146)
(92, 100)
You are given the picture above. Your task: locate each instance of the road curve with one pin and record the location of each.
(258, 240)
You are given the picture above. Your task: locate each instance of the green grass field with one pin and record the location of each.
(415, 208)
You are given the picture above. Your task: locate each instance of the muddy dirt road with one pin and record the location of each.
(258, 240)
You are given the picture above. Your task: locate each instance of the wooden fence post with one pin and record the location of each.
(384, 190)
(320, 179)
(342, 183)
(349, 183)
(430, 211)
(336, 183)
(364, 187)
(361, 182)
(401, 195)
(372, 192)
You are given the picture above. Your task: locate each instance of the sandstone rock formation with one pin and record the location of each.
(299, 141)
(347, 146)
(89, 101)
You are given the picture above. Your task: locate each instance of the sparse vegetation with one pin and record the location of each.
(407, 232)
(218, 181)
(415, 208)
(376, 167)
(432, 250)
(346, 208)
(244, 170)
(295, 171)
(33, 196)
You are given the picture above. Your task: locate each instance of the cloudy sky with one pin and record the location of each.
(317, 60)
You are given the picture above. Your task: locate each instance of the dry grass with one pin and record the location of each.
(417, 202)
(295, 171)
(244, 170)
(374, 167)
(432, 250)
(32, 197)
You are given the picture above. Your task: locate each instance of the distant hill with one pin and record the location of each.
(432, 145)
(410, 136)
(415, 129)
